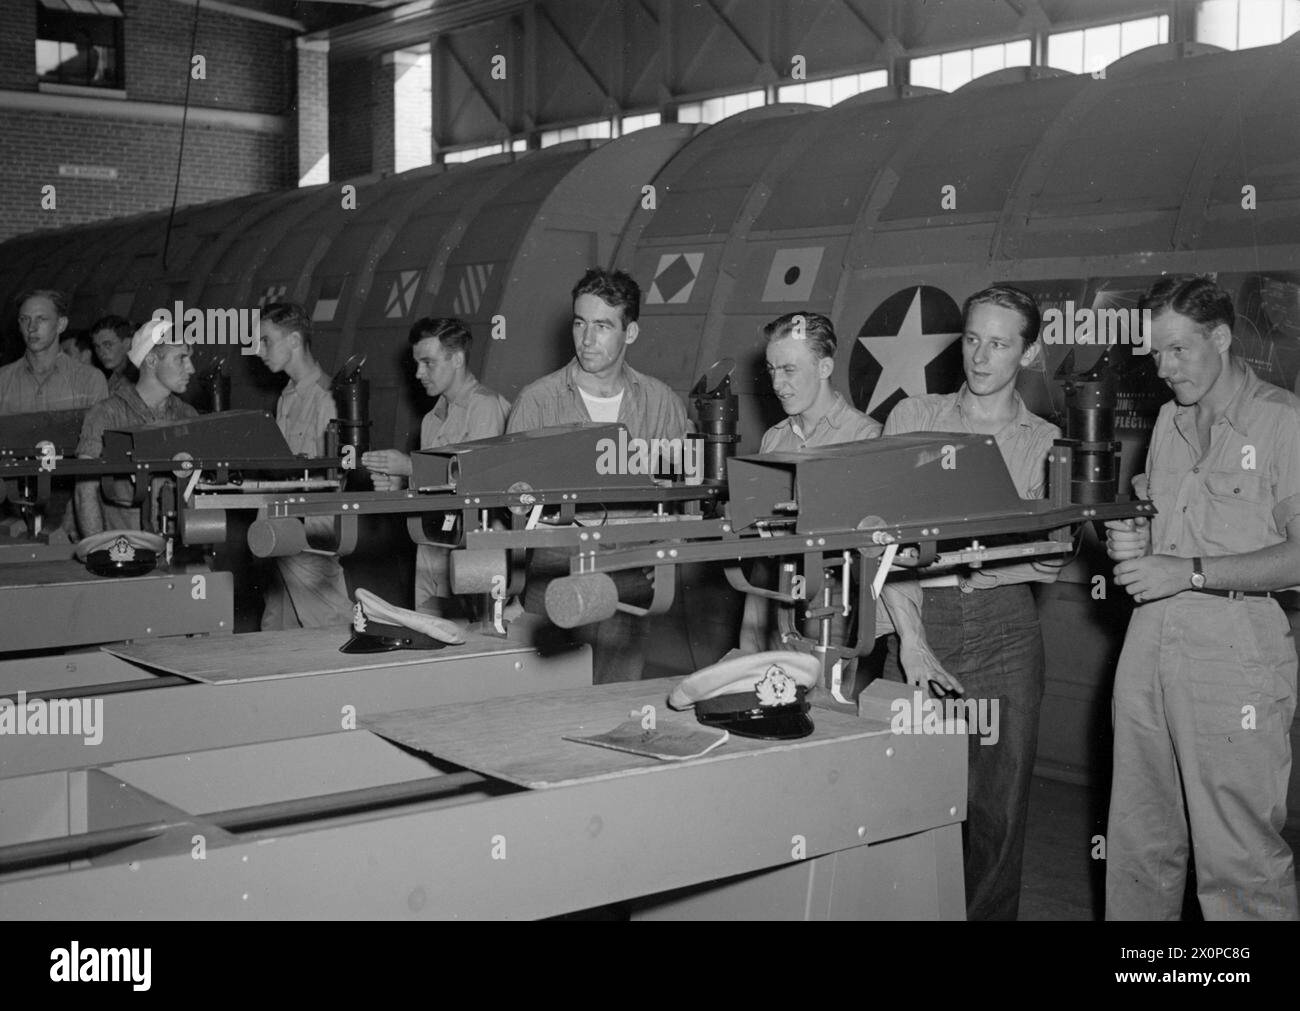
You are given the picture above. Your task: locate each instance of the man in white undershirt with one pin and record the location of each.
(598, 385)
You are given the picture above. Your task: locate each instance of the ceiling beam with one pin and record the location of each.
(235, 10)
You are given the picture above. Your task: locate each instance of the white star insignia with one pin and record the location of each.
(904, 356)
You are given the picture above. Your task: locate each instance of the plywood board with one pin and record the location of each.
(263, 656)
(520, 739)
(20, 575)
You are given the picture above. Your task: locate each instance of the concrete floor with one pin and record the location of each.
(1060, 880)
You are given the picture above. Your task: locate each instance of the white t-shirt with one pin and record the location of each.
(602, 408)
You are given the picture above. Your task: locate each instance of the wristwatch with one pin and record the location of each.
(1198, 574)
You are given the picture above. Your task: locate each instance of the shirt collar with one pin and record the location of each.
(131, 395)
(630, 375)
(835, 416)
(61, 364)
(1023, 417)
(444, 405)
(1234, 412)
(313, 378)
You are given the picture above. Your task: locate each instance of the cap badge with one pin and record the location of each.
(358, 618)
(777, 688)
(121, 551)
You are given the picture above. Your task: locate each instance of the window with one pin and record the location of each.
(1089, 50)
(599, 130)
(713, 109)
(832, 90)
(949, 71)
(79, 42)
(631, 124)
(470, 154)
(1236, 25)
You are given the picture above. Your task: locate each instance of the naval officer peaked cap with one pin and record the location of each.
(120, 552)
(379, 627)
(761, 695)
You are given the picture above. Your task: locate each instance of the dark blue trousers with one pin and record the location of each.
(991, 642)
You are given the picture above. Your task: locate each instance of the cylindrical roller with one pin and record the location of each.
(479, 572)
(203, 526)
(581, 600)
(277, 538)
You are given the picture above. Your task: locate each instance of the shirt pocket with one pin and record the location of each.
(1237, 515)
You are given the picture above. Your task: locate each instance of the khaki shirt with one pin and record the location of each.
(477, 413)
(1238, 495)
(841, 423)
(1024, 441)
(67, 386)
(125, 409)
(118, 380)
(304, 411)
(650, 409)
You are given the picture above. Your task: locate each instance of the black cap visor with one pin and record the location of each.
(101, 563)
(381, 638)
(742, 714)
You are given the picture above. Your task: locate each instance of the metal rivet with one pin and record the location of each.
(952, 812)
(862, 831)
(889, 752)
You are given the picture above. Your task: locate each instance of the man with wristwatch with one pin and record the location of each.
(1205, 687)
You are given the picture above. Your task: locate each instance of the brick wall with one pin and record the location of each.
(17, 45)
(219, 163)
(250, 67)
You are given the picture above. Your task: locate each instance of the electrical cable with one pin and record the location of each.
(185, 119)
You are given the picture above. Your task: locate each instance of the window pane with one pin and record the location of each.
(1065, 51)
(689, 113)
(633, 123)
(1100, 47)
(1216, 23)
(819, 93)
(1291, 18)
(1259, 24)
(925, 72)
(1135, 35)
(956, 69)
(47, 56)
(1018, 53)
(986, 59)
(843, 87)
(594, 131)
(790, 92)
